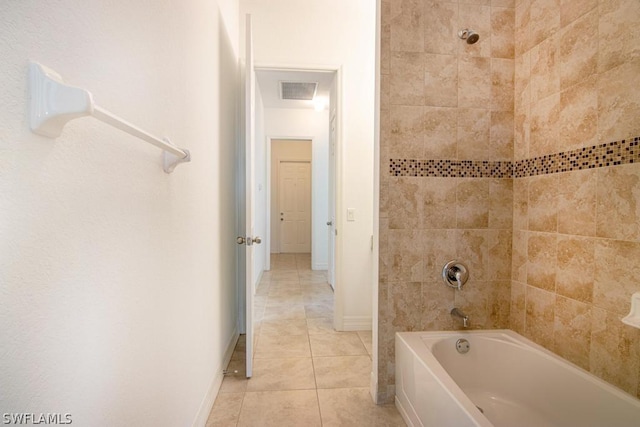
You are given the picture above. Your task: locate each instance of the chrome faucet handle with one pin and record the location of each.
(455, 274)
(458, 275)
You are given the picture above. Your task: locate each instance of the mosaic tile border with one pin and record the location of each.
(598, 156)
(450, 168)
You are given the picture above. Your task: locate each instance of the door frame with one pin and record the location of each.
(338, 317)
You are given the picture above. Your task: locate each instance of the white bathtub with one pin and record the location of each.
(516, 382)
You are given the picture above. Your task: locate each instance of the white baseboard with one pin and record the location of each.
(214, 387)
(357, 323)
(319, 266)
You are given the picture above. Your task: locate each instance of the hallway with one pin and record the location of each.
(305, 373)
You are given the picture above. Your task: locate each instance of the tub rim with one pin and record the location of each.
(416, 339)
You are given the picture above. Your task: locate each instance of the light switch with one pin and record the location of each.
(351, 214)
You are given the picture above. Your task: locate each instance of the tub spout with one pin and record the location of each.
(458, 313)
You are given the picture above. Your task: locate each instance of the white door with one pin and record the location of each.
(246, 237)
(294, 190)
(331, 223)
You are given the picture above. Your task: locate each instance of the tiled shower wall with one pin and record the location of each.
(576, 246)
(446, 110)
(454, 184)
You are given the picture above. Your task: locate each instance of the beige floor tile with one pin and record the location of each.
(239, 352)
(263, 289)
(342, 344)
(290, 311)
(282, 266)
(316, 291)
(236, 383)
(284, 275)
(226, 410)
(312, 277)
(317, 287)
(316, 298)
(280, 409)
(266, 276)
(282, 391)
(282, 346)
(283, 261)
(282, 374)
(342, 371)
(303, 261)
(282, 257)
(320, 325)
(285, 290)
(285, 278)
(353, 407)
(295, 299)
(288, 279)
(257, 326)
(239, 355)
(284, 327)
(318, 310)
(236, 365)
(260, 300)
(367, 340)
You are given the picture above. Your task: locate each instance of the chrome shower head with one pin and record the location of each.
(469, 35)
(472, 37)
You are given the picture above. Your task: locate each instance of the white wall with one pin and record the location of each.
(116, 279)
(341, 33)
(314, 125)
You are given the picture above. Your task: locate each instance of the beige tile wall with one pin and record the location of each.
(576, 235)
(444, 99)
(555, 257)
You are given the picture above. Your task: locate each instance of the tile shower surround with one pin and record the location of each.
(613, 153)
(485, 150)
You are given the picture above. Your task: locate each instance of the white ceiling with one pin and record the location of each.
(269, 85)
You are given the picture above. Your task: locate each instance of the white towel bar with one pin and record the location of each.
(54, 103)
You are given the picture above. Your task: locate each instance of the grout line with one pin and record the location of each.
(244, 394)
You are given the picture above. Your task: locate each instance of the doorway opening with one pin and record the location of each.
(297, 131)
(294, 150)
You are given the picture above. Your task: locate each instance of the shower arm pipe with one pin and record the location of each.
(54, 103)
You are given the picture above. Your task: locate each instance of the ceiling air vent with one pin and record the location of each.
(298, 90)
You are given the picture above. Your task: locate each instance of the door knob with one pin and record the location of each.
(249, 241)
(329, 223)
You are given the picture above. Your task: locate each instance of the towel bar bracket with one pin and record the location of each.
(170, 161)
(54, 103)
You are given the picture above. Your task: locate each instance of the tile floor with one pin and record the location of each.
(304, 372)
